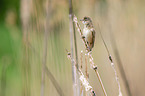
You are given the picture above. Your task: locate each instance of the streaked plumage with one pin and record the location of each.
(88, 32)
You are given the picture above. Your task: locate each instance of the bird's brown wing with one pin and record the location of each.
(93, 37)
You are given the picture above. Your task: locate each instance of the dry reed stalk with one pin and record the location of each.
(48, 11)
(81, 67)
(89, 54)
(49, 74)
(97, 73)
(82, 78)
(86, 67)
(25, 16)
(86, 70)
(120, 65)
(113, 66)
(54, 82)
(76, 85)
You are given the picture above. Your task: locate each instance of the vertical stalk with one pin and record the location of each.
(45, 50)
(81, 67)
(25, 5)
(90, 56)
(120, 65)
(71, 44)
(86, 71)
(73, 40)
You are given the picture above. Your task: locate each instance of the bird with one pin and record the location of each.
(88, 32)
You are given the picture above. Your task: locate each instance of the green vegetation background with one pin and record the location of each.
(10, 49)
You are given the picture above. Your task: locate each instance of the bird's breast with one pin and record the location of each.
(88, 34)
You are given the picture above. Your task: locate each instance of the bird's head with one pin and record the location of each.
(87, 21)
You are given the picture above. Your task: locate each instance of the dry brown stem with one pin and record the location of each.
(89, 54)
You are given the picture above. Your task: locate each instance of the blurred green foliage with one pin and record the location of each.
(6, 6)
(10, 47)
(10, 56)
(5, 39)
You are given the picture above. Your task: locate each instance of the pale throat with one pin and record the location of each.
(87, 31)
